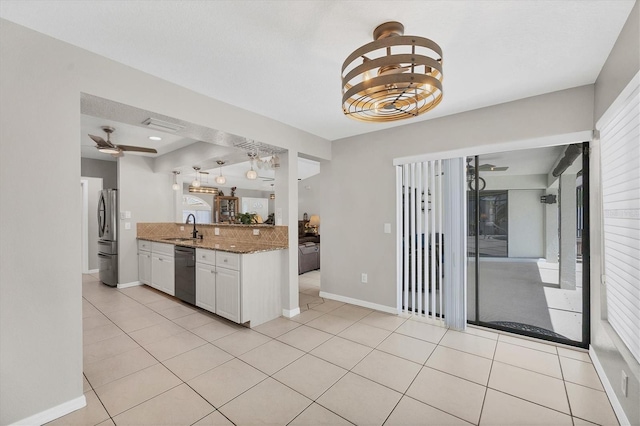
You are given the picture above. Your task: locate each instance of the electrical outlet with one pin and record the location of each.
(363, 278)
(256, 232)
(625, 383)
(127, 225)
(182, 228)
(216, 231)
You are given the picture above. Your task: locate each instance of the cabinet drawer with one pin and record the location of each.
(206, 256)
(162, 248)
(228, 260)
(144, 245)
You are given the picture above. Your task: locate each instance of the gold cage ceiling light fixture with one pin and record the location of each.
(393, 77)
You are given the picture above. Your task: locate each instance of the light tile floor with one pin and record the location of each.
(152, 360)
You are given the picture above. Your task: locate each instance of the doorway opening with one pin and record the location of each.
(528, 246)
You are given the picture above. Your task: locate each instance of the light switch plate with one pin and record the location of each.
(216, 231)
(127, 225)
(127, 214)
(387, 228)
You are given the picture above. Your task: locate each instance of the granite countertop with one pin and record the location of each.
(232, 247)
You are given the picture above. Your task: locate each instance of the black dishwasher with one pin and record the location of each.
(185, 273)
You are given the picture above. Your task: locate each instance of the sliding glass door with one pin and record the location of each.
(527, 242)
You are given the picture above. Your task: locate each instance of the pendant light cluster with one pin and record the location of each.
(196, 185)
(392, 78)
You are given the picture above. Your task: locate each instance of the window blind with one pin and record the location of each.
(620, 170)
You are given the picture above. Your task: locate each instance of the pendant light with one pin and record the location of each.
(196, 181)
(221, 180)
(252, 174)
(175, 185)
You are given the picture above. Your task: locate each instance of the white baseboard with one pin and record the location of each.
(617, 408)
(92, 271)
(53, 413)
(289, 313)
(358, 302)
(131, 284)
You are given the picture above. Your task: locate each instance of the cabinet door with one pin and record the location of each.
(144, 267)
(206, 287)
(162, 273)
(228, 294)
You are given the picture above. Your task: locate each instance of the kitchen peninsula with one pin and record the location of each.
(238, 268)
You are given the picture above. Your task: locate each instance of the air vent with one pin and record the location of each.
(165, 126)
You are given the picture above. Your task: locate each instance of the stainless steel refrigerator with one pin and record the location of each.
(108, 236)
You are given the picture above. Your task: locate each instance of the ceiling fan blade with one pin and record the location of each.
(101, 142)
(120, 154)
(137, 149)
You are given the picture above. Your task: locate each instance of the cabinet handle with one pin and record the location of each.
(225, 260)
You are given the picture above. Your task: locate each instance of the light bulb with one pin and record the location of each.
(221, 180)
(195, 183)
(175, 186)
(252, 174)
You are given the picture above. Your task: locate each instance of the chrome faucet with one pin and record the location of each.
(195, 231)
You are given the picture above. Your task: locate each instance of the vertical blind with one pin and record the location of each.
(431, 213)
(620, 169)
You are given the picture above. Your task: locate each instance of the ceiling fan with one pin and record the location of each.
(109, 147)
(491, 168)
(484, 167)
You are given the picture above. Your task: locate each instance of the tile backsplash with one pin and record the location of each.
(276, 236)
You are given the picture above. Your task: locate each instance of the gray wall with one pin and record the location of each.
(309, 199)
(361, 178)
(41, 80)
(149, 198)
(623, 63)
(107, 170)
(526, 223)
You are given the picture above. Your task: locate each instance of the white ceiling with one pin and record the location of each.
(282, 59)
(236, 159)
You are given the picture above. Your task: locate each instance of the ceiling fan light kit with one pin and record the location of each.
(392, 78)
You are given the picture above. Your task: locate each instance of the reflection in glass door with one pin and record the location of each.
(527, 243)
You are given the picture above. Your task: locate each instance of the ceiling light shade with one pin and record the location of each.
(109, 150)
(175, 185)
(252, 174)
(392, 78)
(220, 180)
(196, 182)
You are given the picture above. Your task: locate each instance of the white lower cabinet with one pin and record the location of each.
(162, 273)
(228, 294)
(163, 268)
(206, 286)
(144, 267)
(243, 288)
